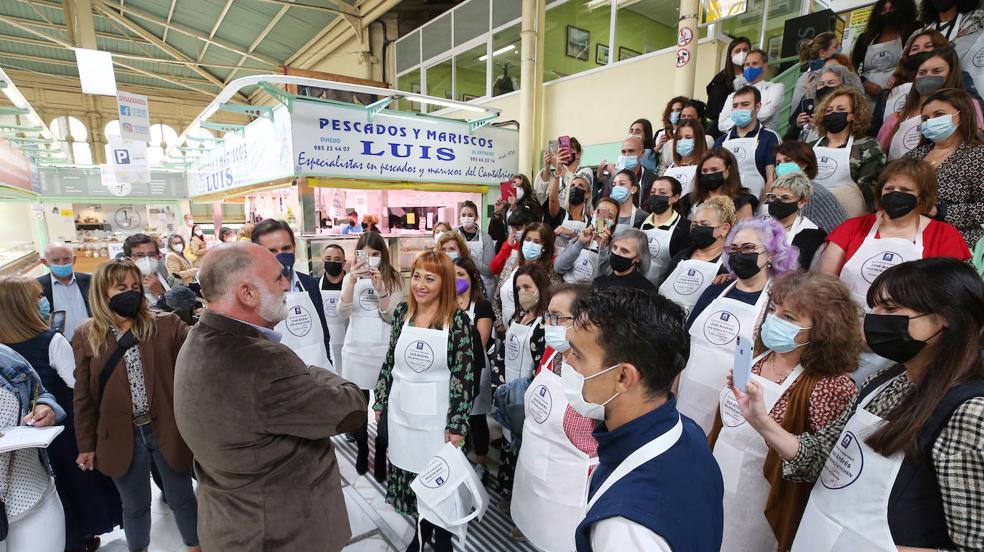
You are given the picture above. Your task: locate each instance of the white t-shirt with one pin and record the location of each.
(61, 358)
(618, 534)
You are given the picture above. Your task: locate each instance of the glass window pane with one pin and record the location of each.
(409, 83)
(439, 82)
(408, 52)
(59, 127)
(112, 129)
(505, 72)
(78, 130)
(747, 24)
(644, 27)
(470, 68)
(82, 153)
(574, 30)
(504, 11)
(750, 24)
(471, 19)
(436, 37)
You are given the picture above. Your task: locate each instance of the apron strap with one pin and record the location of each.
(647, 452)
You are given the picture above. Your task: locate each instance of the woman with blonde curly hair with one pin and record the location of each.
(124, 409)
(848, 161)
(807, 346)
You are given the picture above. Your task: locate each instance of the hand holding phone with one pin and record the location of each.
(743, 363)
(565, 149)
(506, 190)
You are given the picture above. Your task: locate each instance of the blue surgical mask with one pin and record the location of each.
(816, 65)
(674, 117)
(752, 73)
(780, 335)
(452, 254)
(627, 162)
(620, 194)
(556, 337)
(61, 271)
(44, 308)
(531, 250)
(685, 146)
(286, 261)
(783, 169)
(741, 117)
(939, 128)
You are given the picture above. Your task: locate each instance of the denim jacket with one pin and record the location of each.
(20, 377)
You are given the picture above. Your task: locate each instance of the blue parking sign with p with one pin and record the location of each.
(122, 156)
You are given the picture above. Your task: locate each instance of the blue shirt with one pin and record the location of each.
(351, 229)
(765, 152)
(68, 297)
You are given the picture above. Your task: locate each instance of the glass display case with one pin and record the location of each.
(403, 250)
(17, 257)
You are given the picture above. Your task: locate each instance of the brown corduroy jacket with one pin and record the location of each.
(259, 422)
(107, 429)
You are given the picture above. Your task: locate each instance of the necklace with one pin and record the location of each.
(775, 373)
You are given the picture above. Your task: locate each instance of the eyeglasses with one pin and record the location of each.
(746, 248)
(138, 256)
(784, 198)
(555, 319)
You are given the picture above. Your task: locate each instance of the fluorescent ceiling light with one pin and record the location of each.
(96, 72)
(442, 103)
(502, 50)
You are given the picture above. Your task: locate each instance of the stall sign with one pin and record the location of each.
(261, 154)
(338, 142)
(134, 116)
(85, 182)
(128, 159)
(15, 169)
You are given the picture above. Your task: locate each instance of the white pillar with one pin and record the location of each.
(527, 88)
(686, 61)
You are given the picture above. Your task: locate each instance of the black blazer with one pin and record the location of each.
(81, 278)
(314, 291)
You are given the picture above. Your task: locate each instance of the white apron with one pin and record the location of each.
(562, 243)
(906, 138)
(712, 353)
(848, 508)
(688, 281)
(834, 173)
(551, 473)
(302, 331)
(367, 338)
(419, 397)
(336, 324)
(685, 175)
(483, 401)
(585, 266)
(740, 452)
(971, 50)
(744, 150)
(659, 249)
(896, 98)
(880, 61)
(507, 299)
(619, 226)
(871, 259)
(476, 249)
(519, 358)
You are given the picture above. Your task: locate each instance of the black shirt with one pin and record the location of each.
(328, 286)
(808, 241)
(483, 309)
(634, 280)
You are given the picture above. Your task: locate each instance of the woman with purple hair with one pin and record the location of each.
(756, 253)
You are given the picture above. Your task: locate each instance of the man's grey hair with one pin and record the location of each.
(52, 246)
(224, 266)
(642, 246)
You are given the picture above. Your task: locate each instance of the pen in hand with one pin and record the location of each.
(34, 404)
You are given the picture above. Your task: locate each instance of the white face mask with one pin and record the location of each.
(519, 193)
(374, 262)
(438, 236)
(146, 265)
(556, 337)
(739, 58)
(574, 392)
(466, 221)
(178, 247)
(273, 307)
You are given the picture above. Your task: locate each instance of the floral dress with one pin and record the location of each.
(460, 360)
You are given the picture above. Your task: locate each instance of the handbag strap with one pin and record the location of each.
(125, 343)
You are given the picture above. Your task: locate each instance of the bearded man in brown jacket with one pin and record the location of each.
(257, 419)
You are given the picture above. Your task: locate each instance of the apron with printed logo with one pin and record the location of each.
(834, 173)
(302, 331)
(688, 281)
(712, 353)
(740, 453)
(420, 396)
(585, 267)
(848, 508)
(551, 473)
(685, 175)
(337, 325)
(563, 242)
(880, 61)
(659, 250)
(972, 59)
(476, 249)
(519, 357)
(744, 150)
(896, 98)
(906, 138)
(367, 338)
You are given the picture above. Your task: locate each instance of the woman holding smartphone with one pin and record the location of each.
(370, 293)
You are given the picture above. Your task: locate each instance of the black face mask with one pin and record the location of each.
(126, 304)
(898, 204)
(712, 181)
(744, 265)
(822, 92)
(702, 236)
(620, 263)
(779, 210)
(659, 204)
(888, 336)
(835, 122)
(333, 268)
(577, 196)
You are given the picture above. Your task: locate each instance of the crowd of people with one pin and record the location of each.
(675, 348)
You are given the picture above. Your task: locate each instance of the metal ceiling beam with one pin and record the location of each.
(78, 21)
(215, 28)
(67, 63)
(45, 25)
(189, 32)
(170, 14)
(337, 6)
(273, 23)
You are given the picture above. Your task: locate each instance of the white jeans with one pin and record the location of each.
(40, 529)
